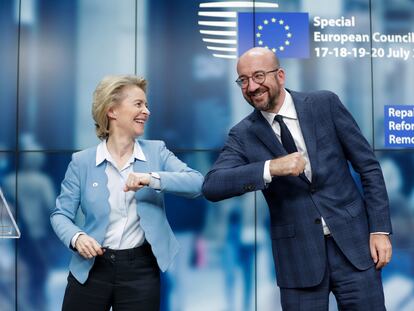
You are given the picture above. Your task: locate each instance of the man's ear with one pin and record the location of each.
(280, 75)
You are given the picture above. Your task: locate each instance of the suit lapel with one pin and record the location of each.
(305, 115)
(264, 132)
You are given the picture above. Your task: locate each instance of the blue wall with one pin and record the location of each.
(52, 55)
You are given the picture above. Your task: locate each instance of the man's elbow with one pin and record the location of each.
(210, 191)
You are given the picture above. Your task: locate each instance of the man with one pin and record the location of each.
(325, 235)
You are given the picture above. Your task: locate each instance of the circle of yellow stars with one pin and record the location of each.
(282, 24)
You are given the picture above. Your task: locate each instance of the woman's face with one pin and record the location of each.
(129, 116)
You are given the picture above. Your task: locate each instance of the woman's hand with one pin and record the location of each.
(88, 247)
(136, 181)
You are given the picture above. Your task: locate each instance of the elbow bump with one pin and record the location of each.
(208, 194)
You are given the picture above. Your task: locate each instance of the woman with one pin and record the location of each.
(118, 185)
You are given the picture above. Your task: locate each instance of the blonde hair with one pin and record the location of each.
(107, 94)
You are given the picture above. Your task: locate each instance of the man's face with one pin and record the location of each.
(264, 96)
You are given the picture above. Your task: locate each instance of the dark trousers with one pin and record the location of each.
(353, 289)
(124, 280)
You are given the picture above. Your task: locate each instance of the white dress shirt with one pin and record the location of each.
(124, 230)
(288, 112)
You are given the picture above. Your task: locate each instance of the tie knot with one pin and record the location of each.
(279, 118)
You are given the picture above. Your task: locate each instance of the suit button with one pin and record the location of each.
(312, 190)
(318, 221)
(249, 187)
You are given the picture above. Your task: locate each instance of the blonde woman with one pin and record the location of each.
(125, 240)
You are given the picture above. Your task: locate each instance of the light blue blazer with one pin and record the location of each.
(85, 187)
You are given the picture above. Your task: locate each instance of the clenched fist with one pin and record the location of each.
(290, 165)
(137, 181)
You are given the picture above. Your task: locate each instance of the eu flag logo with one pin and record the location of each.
(286, 34)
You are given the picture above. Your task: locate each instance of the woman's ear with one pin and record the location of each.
(111, 114)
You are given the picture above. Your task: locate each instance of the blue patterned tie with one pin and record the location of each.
(285, 135)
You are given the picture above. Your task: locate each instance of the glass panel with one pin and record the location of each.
(42, 259)
(217, 255)
(190, 90)
(268, 296)
(202, 101)
(341, 67)
(66, 48)
(398, 276)
(8, 73)
(393, 68)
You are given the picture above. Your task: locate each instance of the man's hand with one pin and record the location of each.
(381, 249)
(292, 164)
(137, 181)
(88, 247)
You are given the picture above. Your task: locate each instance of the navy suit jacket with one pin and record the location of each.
(333, 140)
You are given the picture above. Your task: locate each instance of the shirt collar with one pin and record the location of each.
(103, 154)
(287, 110)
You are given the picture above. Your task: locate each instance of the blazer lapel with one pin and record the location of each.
(97, 185)
(264, 132)
(141, 166)
(99, 181)
(305, 116)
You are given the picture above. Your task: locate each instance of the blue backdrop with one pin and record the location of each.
(53, 54)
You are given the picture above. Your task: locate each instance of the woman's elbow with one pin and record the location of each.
(197, 184)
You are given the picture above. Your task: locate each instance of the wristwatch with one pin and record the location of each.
(154, 175)
(155, 181)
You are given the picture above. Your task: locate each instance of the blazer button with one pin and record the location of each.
(318, 221)
(312, 190)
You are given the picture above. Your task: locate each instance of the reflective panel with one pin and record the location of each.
(190, 90)
(43, 260)
(216, 261)
(9, 23)
(268, 295)
(393, 68)
(67, 47)
(398, 275)
(342, 67)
